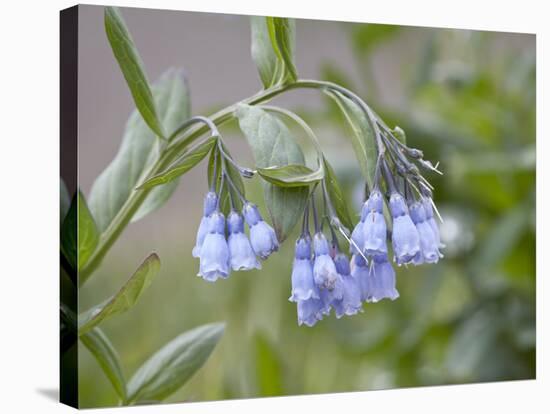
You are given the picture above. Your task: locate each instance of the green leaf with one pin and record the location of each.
(181, 166)
(282, 35)
(126, 297)
(137, 153)
(336, 196)
(79, 235)
(273, 49)
(272, 144)
(292, 175)
(170, 367)
(88, 236)
(103, 351)
(131, 66)
(363, 138)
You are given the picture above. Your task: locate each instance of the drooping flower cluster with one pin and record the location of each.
(398, 212)
(326, 279)
(222, 247)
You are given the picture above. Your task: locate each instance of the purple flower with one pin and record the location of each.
(360, 272)
(324, 270)
(357, 235)
(214, 253)
(210, 202)
(428, 208)
(374, 227)
(382, 280)
(405, 238)
(241, 255)
(309, 311)
(303, 285)
(429, 251)
(262, 236)
(350, 304)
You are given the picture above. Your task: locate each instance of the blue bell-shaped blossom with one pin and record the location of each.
(309, 311)
(360, 272)
(241, 255)
(214, 253)
(382, 280)
(350, 304)
(429, 251)
(405, 238)
(358, 234)
(374, 227)
(262, 236)
(209, 205)
(428, 208)
(303, 285)
(324, 270)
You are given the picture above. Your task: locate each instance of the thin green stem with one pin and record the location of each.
(194, 120)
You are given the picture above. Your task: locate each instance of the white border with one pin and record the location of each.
(29, 176)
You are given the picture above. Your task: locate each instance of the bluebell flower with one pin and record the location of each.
(303, 285)
(405, 238)
(309, 311)
(429, 251)
(382, 280)
(428, 208)
(360, 272)
(324, 269)
(374, 227)
(241, 255)
(214, 253)
(262, 236)
(209, 205)
(350, 304)
(357, 235)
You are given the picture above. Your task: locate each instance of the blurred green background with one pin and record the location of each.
(466, 98)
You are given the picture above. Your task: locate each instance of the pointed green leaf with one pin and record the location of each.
(273, 49)
(292, 175)
(336, 196)
(170, 367)
(105, 354)
(180, 166)
(272, 144)
(268, 65)
(126, 297)
(363, 138)
(138, 150)
(282, 34)
(131, 66)
(79, 235)
(88, 235)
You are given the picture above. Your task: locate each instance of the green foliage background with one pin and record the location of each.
(468, 100)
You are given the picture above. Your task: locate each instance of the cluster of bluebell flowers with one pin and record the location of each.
(396, 226)
(222, 245)
(400, 216)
